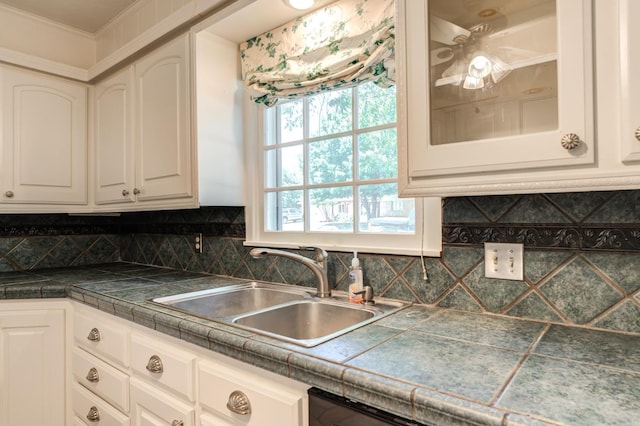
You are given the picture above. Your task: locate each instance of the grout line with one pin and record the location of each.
(494, 400)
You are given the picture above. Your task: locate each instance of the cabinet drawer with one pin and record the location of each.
(207, 419)
(102, 337)
(151, 406)
(272, 404)
(163, 364)
(85, 404)
(101, 378)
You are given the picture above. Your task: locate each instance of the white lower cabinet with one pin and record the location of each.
(163, 365)
(171, 382)
(90, 409)
(247, 398)
(105, 381)
(32, 361)
(101, 336)
(151, 406)
(207, 419)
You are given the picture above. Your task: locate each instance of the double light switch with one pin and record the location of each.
(504, 261)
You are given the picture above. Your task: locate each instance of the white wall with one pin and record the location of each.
(27, 34)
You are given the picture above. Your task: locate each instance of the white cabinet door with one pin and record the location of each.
(462, 115)
(44, 139)
(153, 407)
(32, 356)
(114, 113)
(630, 83)
(163, 123)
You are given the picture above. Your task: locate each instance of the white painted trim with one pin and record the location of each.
(182, 16)
(428, 212)
(497, 187)
(37, 63)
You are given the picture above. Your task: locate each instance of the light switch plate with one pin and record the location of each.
(504, 261)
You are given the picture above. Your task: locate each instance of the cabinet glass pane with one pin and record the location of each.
(493, 67)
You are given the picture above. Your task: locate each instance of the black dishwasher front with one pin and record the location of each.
(326, 409)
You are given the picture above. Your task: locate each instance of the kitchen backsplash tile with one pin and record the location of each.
(582, 259)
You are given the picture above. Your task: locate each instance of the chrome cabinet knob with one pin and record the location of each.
(155, 364)
(125, 193)
(638, 133)
(239, 403)
(136, 191)
(570, 141)
(93, 415)
(94, 335)
(93, 375)
(8, 194)
(177, 423)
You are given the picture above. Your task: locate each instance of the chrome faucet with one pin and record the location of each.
(319, 265)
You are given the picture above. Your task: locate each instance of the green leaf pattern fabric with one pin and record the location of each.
(338, 46)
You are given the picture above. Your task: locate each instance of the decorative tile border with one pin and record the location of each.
(582, 263)
(549, 237)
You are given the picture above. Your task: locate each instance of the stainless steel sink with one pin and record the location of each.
(285, 312)
(233, 300)
(309, 322)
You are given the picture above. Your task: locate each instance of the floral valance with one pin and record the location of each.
(337, 46)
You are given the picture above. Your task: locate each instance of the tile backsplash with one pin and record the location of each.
(582, 254)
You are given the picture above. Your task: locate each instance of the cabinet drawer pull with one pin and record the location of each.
(136, 191)
(94, 335)
(177, 423)
(570, 141)
(638, 133)
(125, 192)
(93, 415)
(93, 375)
(239, 403)
(155, 364)
(8, 194)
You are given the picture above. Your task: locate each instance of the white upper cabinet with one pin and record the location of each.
(163, 123)
(44, 141)
(144, 155)
(630, 81)
(492, 92)
(114, 112)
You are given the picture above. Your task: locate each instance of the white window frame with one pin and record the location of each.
(426, 241)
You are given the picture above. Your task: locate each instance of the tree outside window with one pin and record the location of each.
(333, 157)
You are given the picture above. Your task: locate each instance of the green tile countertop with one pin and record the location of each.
(432, 365)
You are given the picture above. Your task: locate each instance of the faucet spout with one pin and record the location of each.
(319, 265)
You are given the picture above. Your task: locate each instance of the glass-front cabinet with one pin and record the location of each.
(492, 87)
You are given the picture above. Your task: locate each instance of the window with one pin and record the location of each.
(326, 174)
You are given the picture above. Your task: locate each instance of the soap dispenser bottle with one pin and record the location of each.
(355, 280)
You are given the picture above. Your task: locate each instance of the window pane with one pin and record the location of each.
(376, 105)
(331, 209)
(291, 121)
(384, 211)
(283, 166)
(284, 211)
(331, 161)
(330, 113)
(378, 154)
